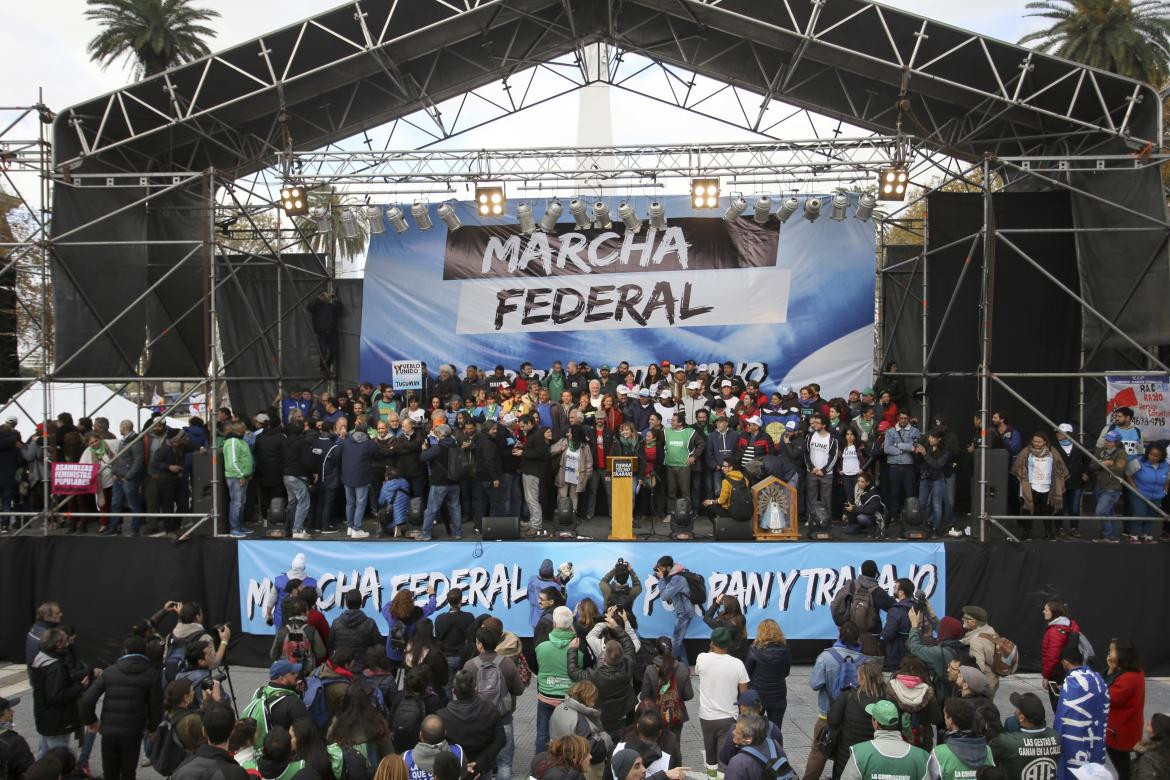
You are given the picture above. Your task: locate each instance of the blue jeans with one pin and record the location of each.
(932, 494)
(681, 623)
(543, 716)
(949, 502)
(237, 490)
(126, 492)
(508, 751)
(1072, 508)
(1106, 503)
(62, 740)
(298, 501)
(355, 505)
(1141, 509)
(440, 495)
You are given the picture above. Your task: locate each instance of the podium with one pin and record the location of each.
(621, 498)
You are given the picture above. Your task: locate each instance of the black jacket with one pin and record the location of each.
(406, 451)
(15, 756)
(848, 714)
(476, 727)
(768, 670)
(486, 451)
(32, 640)
(55, 695)
(453, 630)
(354, 630)
(287, 710)
(268, 454)
(210, 763)
(436, 456)
(298, 456)
(615, 693)
(534, 461)
(133, 698)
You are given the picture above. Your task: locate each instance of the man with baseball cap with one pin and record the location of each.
(722, 677)
(1107, 483)
(748, 703)
(15, 755)
(1027, 748)
(887, 755)
(279, 700)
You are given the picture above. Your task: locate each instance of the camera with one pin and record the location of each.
(221, 626)
(212, 679)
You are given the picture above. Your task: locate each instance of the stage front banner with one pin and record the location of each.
(790, 583)
(788, 303)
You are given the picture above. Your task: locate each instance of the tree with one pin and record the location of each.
(1121, 36)
(153, 34)
(346, 246)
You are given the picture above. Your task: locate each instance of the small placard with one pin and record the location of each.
(407, 374)
(623, 469)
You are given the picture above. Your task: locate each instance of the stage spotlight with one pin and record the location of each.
(820, 521)
(763, 208)
(893, 181)
(294, 199)
(422, 215)
(601, 216)
(913, 519)
(580, 212)
(705, 193)
(320, 215)
(788, 208)
(490, 201)
(737, 207)
(447, 213)
(630, 217)
(565, 519)
(349, 224)
(374, 215)
(657, 216)
(396, 219)
(812, 209)
(682, 520)
(548, 223)
(840, 202)
(865, 204)
(524, 219)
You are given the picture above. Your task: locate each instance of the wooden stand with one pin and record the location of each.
(621, 498)
(774, 515)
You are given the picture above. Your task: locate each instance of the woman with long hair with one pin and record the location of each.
(1041, 476)
(848, 712)
(423, 651)
(768, 664)
(934, 462)
(402, 615)
(1056, 634)
(568, 758)
(652, 378)
(180, 711)
(613, 416)
(310, 747)
(1127, 703)
(392, 767)
(578, 714)
(1153, 753)
(663, 672)
(854, 459)
(358, 725)
(730, 616)
(910, 689)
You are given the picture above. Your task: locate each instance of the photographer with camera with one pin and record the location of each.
(199, 665)
(620, 587)
(896, 631)
(132, 707)
(188, 631)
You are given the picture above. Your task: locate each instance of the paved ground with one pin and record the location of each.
(798, 721)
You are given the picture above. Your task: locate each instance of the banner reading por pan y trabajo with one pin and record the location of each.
(790, 583)
(792, 301)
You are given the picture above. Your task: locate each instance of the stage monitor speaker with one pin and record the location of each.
(501, 528)
(997, 482)
(201, 493)
(414, 515)
(728, 529)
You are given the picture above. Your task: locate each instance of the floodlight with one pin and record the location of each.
(705, 193)
(893, 181)
(349, 223)
(601, 215)
(657, 216)
(447, 213)
(738, 206)
(580, 213)
(865, 204)
(374, 215)
(788, 208)
(839, 203)
(763, 207)
(812, 209)
(422, 215)
(396, 219)
(548, 223)
(630, 217)
(490, 201)
(524, 219)
(320, 215)
(294, 199)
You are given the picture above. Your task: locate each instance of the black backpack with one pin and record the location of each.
(167, 753)
(405, 723)
(174, 658)
(459, 466)
(697, 584)
(740, 504)
(775, 763)
(399, 636)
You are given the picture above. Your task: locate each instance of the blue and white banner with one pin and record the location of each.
(792, 583)
(788, 303)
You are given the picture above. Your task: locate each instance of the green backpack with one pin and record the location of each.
(257, 709)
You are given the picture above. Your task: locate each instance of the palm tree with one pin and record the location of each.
(1121, 36)
(154, 34)
(331, 201)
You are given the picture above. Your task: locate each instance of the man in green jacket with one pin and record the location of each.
(937, 657)
(552, 679)
(681, 445)
(554, 380)
(1033, 749)
(237, 470)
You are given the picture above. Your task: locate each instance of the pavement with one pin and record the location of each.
(798, 722)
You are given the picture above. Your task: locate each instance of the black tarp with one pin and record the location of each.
(901, 312)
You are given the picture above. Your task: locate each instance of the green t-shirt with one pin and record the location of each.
(678, 445)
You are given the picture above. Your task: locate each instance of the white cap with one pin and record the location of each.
(644, 392)
(790, 425)
(503, 384)
(622, 390)
(260, 418)
(509, 418)
(298, 562)
(753, 420)
(1066, 427)
(1090, 772)
(665, 394)
(726, 383)
(693, 385)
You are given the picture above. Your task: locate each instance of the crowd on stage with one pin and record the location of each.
(432, 690)
(472, 444)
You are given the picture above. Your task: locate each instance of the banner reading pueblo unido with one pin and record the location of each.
(787, 303)
(790, 583)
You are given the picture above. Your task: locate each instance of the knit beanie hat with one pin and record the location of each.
(622, 762)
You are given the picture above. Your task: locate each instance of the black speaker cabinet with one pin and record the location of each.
(728, 529)
(501, 528)
(997, 482)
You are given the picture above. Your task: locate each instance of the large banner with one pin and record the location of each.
(790, 583)
(788, 303)
(1149, 397)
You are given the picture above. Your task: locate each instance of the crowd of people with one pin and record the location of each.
(531, 444)
(436, 692)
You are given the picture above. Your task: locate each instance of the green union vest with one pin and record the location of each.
(875, 765)
(678, 446)
(952, 768)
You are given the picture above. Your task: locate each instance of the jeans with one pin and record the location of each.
(819, 489)
(126, 493)
(949, 503)
(55, 741)
(543, 716)
(932, 494)
(681, 623)
(440, 495)
(237, 490)
(120, 757)
(1106, 503)
(1072, 507)
(508, 751)
(714, 482)
(355, 505)
(531, 485)
(1139, 508)
(901, 486)
(298, 502)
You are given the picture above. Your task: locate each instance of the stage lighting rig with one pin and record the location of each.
(839, 203)
(657, 215)
(787, 208)
(580, 212)
(548, 223)
(705, 193)
(490, 201)
(349, 225)
(447, 213)
(601, 217)
(763, 209)
(374, 215)
(422, 215)
(865, 204)
(893, 182)
(737, 206)
(812, 209)
(320, 215)
(524, 219)
(630, 217)
(294, 199)
(396, 219)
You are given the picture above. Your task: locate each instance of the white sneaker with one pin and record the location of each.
(301, 535)
(954, 533)
(359, 534)
(348, 531)
(967, 531)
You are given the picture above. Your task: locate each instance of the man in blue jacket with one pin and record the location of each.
(721, 445)
(674, 590)
(899, 449)
(444, 490)
(357, 470)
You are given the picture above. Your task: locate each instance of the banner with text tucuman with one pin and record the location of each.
(790, 583)
(788, 303)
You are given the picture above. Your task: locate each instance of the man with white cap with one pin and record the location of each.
(693, 401)
(752, 446)
(726, 389)
(641, 410)
(665, 406)
(15, 755)
(273, 600)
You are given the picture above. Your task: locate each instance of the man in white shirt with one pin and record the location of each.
(722, 678)
(820, 460)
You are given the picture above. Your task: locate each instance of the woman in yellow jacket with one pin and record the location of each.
(720, 506)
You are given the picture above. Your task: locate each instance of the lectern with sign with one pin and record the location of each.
(621, 498)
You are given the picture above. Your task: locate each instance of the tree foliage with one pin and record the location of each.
(153, 35)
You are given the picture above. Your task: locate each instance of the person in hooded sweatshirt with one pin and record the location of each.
(546, 578)
(964, 752)
(132, 705)
(490, 651)
(910, 691)
(937, 656)
(473, 723)
(432, 740)
(578, 714)
(553, 681)
(274, 598)
(353, 629)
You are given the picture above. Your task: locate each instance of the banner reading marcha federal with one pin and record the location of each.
(788, 303)
(790, 583)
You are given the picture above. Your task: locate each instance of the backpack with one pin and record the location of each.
(167, 752)
(1006, 658)
(697, 586)
(315, 698)
(776, 766)
(174, 658)
(459, 464)
(739, 506)
(855, 604)
(262, 703)
(846, 676)
(912, 732)
(670, 703)
(296, 647)
(399, 636)
(489, 683)
(1088, 654)
(522, 669)
(405, 722)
